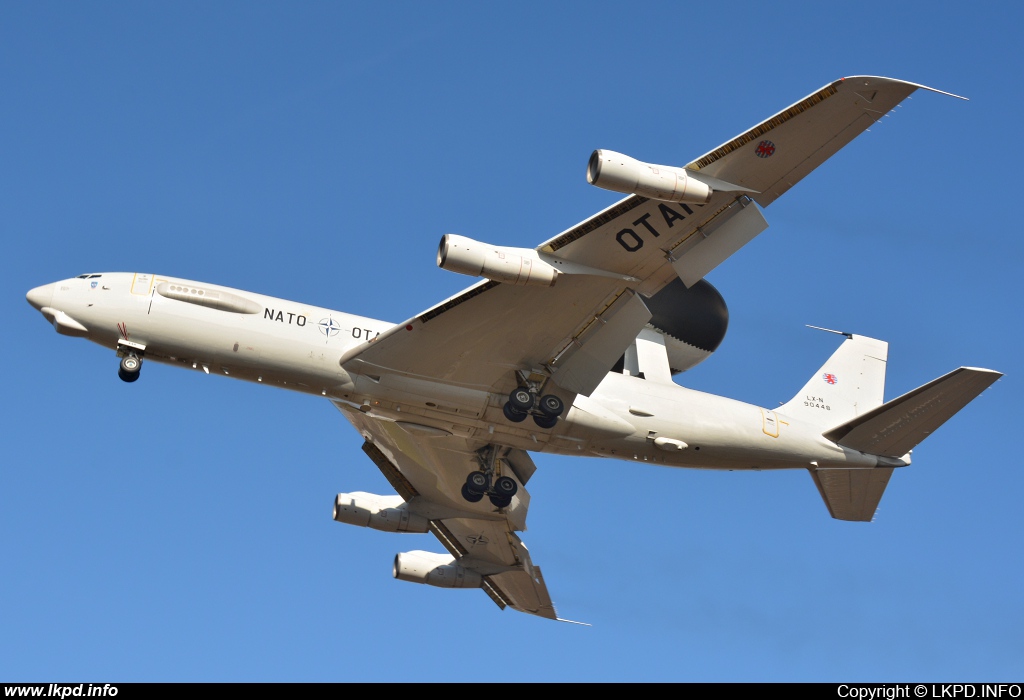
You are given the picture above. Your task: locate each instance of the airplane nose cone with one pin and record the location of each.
(40, 296)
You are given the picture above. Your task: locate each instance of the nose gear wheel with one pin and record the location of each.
(130, 367)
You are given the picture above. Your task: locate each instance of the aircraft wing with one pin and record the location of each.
(804, 135)
(428, 469)
(575, 330)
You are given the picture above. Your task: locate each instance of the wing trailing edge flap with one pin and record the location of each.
(852, 494)
(718, 239)
(585, 361)
(521, 463)
(896, 427)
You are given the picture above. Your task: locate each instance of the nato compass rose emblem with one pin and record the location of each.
(329, 327)
(830, 378)
(765, 149)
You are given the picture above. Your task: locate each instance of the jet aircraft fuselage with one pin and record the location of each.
(217, 330)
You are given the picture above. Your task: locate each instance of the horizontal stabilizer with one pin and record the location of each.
(852, 494)
(896, 427)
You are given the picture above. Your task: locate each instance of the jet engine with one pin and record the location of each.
(434, 570)
(387, 513)
(620, 173)
(521, 266)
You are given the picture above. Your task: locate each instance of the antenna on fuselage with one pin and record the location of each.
(829, 330)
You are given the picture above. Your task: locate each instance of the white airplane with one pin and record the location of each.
(568, 348)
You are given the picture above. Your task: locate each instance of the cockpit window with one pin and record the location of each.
(92, 277)
(87, 277)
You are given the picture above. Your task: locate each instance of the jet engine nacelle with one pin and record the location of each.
(387, 513)
(521, 266)
(620, 173)
(434, 570)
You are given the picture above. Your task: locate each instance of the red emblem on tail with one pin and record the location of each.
(830, 378)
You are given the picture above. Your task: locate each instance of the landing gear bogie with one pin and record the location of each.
(524, 402)
(486, 482)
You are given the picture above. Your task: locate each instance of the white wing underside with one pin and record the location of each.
(428, 472)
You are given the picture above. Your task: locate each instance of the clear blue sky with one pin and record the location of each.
(180, 528)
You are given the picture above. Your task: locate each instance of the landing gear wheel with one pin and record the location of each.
(469, 495)
(512, 414)
(477, 482)
(505, 486)
(129, 369)
(551, 405)
(521, 400)
(501, 501)
(127, 376)
(545, 421)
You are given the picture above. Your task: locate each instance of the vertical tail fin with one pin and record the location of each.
(845, 398)
(851, 494)
(849, 384)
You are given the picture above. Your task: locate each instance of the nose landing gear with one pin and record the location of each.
(131, 360)
(130, 367)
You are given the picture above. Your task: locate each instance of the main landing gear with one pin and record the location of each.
(478, 485)
(482, 483)
(523, 402)
(131, 365)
